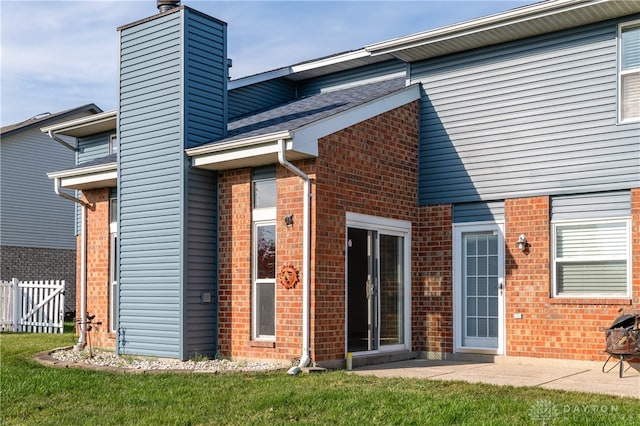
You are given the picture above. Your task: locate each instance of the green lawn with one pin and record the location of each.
(36, 395)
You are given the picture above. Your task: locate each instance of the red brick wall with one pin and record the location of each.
(433, 308)
(552, 327)
(98, 239)
(235, 337)
(369, 168)
(354, 172)
(549, 327)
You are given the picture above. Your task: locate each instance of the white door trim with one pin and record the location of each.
(388, 227)
(458, 231)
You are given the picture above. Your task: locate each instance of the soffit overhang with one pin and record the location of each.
(85, 126)
(523, 22)
(92, 177)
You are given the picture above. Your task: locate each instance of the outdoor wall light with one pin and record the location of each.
(522, 243)
(288, 220)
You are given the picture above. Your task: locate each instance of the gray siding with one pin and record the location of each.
(202, 275)
(205, 120)
(205, 80)
(248, 99)
(157, 83)
(525, 118)
(93, 147)
(479, 212)
(357, 76)
(150, 188)
(31, 214)
(591, 206)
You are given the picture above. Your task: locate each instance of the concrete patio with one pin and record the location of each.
(579, 376)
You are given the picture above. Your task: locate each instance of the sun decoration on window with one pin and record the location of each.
(289, 276)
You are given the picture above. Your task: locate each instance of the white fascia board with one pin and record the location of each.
(96, 180)
(509, 17)
(100, 176)
(258, 78)
(238, 153)
(234, 155)
(330, 60)
(305, 139)
(237, 144)
(294, 69)
(81, 126)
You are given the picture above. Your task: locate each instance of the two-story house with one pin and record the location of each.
(37, 238)
(472, 189)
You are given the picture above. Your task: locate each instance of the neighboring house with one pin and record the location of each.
(473, 189)
(37, 239)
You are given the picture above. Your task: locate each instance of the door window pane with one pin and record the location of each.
(480, 324)
(391, 290)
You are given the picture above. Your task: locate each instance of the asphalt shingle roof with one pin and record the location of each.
(301, 112)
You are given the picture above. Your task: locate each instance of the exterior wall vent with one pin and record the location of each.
(165, 5)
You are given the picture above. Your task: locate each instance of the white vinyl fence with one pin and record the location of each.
(32, 306)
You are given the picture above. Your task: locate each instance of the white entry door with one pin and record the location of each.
(479, 288)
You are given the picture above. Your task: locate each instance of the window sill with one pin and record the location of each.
(261, 344)
(588, 301)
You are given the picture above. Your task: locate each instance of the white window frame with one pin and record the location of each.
(114, 144)
(265, 216)
(113, 264)
(621, 73)
(554, 259)
(256, 282)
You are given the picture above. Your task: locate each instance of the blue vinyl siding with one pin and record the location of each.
(205, 80)
(591, 206)
(93, 147)
(479, 212)
(31, 214)
(201, 257)
(160, 77)
(357, 76)
(530, 117)
(90, 148)
(248, 99)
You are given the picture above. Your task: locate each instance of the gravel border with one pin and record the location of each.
(67, 357)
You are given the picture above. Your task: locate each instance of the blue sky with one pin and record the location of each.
(57, 55)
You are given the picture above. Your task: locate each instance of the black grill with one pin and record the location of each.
(623, 340)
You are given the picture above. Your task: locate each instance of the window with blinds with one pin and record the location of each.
(591, 259)
(629, 82)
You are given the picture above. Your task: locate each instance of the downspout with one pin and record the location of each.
(305, 359)
(82, 339)
(60, 141)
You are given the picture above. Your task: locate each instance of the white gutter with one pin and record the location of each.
(82, 339)
(305, 359)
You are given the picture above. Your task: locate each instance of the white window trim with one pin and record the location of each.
(113, 137)
(555, 224)
(255, 281)
(113, 266)
(621, 73)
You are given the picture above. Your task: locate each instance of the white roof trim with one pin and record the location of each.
(474, 26)
(100, 176)
(305, 138)
(301, 142)
(238, 144)
(80, 126)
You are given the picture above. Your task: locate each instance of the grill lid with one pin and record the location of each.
(624, 321)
